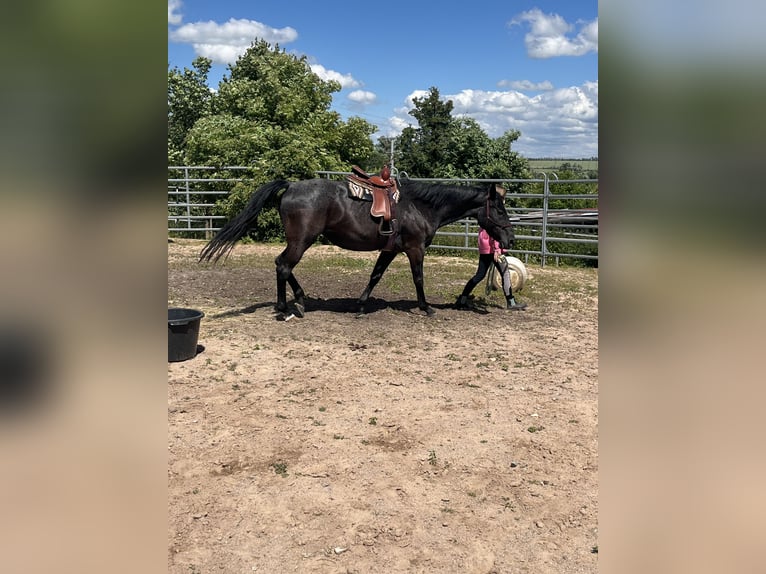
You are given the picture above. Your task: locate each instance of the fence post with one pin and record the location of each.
(188, 199)
(465, 237)
(544, 231)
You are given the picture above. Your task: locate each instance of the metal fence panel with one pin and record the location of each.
(550, 217)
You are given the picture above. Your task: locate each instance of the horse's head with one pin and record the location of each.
(494, 218)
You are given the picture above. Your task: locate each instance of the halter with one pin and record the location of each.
(489, 216)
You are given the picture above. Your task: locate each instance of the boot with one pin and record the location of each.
(512, 305)
(462, 302)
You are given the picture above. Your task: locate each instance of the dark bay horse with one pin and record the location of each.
(312, 207)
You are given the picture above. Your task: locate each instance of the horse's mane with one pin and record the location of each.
(433, 193)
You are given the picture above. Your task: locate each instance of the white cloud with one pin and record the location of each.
(345, 80)
(362, 97)
(397, 124)
(174, 16)
(525, 85)
(224, 43)
(420, 94)
(561, 122)
(548, 35)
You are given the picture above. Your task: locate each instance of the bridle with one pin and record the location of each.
(502, 225)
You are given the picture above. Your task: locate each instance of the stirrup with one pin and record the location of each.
(383, 231)
(393, 226)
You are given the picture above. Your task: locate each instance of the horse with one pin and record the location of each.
(314, 207)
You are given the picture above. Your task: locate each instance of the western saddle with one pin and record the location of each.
(383, 191)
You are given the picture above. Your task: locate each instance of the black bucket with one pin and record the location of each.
(183, 332)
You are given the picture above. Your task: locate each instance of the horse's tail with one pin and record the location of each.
(236, 228)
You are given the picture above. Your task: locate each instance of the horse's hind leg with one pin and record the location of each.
(299, 294)
(283, 272)
(285, 263)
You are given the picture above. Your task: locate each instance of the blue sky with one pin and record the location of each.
(525, 65)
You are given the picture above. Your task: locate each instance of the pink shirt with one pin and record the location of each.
(487, 244)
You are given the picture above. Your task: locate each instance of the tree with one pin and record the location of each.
(268, 85)
(272, 114)
(443, 146)
(423, 149)
(189, 99)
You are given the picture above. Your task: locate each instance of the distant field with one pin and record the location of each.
(555, 163)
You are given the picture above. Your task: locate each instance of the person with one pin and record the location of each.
(490, 253)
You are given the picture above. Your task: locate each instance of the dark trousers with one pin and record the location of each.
(485, 260)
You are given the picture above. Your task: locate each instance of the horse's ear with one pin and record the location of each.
(498, 190)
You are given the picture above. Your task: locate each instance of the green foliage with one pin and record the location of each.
(280, 468)
(272, 86)
(270, 113)
(353, 141)
(424, 148)
(224, 139)
(189, 99)
(443, 146)
(381, 154)
(586, 168)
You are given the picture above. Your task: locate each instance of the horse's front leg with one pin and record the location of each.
(384, 260)
(416, 265)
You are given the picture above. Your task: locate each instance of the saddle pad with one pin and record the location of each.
(357, 191)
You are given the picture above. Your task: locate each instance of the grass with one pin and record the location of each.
(280, 468)
(444, 276)
(553, 164)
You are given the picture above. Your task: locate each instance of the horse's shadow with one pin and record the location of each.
(349, 305)
(243, 311)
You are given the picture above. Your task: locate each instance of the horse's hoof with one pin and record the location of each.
(360, 312)
(461, 303)
(300, 310)
(430, 312)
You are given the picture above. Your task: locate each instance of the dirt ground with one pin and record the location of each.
(393, 442)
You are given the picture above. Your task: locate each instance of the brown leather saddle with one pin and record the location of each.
(382, 190)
